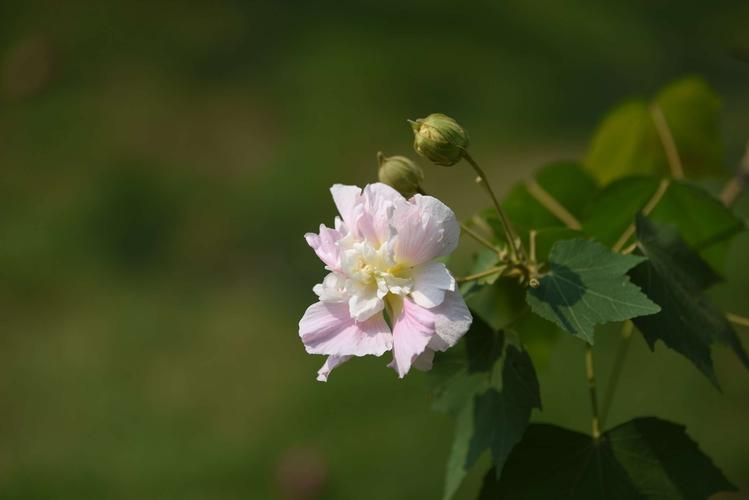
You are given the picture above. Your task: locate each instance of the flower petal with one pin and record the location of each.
(427, 229)
(346, 199)
(327, 328)
(424, 360)
(379, 202)
(412, 331)
(330, 363)
(452, 319)
(430, 281)
(365, 301)
(325, 246)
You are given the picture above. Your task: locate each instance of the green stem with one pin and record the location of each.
(515, 246)
(616, 370)
(482, 274)
(591, 376)
(479, 239)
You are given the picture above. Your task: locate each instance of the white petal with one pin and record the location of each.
(332, 289)
(346, 198)
(365, 302)
(430, 282)
(327, 328)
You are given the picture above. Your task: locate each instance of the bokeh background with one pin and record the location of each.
(160, 163)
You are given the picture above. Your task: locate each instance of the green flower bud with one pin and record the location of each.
(400, 173)
(440, 139)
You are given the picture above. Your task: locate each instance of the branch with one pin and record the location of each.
(738, 182)
(667, 140)
(552, 205)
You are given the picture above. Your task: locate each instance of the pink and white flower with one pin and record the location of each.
(381, 255)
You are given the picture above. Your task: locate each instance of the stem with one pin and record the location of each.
(737, 320)
(515, 247)
(649, 206)
(738, 182)
(667, 140)
(616, 370)
(590, 374)
(480, 239)
(552, 205)
(482, 274)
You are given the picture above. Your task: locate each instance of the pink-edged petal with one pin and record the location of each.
(424, 360)
(451, 321)
(379, 201)
(412, 331)
(325, 246)
(330, 363)
(426, 229)
(430, 282)
(327, 328)
(346, 198)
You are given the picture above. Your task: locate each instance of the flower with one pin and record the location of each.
(381, 255)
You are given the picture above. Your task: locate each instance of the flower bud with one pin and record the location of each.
(440, 139)
(400, 173)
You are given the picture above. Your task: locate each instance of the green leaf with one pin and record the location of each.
(460, 372)
(643, 458)
(702, 220)
(587, 285)
(627, 141)
(495, 419)
(674, 277)
(567, 182)
(499, 304)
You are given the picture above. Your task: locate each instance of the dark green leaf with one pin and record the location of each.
(702, 220)
(688, 322)
(627, 141)
(587, 285)
(643, 458)
(494, 419)
(463, 370)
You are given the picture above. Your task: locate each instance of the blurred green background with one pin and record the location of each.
(160, 163)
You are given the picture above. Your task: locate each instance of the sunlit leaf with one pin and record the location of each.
(627, 141)
(643, 458)
(587, 285)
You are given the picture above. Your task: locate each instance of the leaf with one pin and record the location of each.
(499, 304)
(587, 285)
(627, 141)
(463, 370)
(567, 182)
(643, 458)
(495, 419)
(702, 220)
(674, 277)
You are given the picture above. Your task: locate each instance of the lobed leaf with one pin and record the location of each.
(643, 458)
(674, 276)
(587, 285)
(492, 388)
